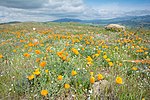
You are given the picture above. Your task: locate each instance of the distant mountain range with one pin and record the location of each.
(131, 21)
(128, 21)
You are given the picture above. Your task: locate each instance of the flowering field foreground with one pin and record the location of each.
(71, 61)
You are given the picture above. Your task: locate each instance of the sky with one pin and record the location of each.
(48, 10)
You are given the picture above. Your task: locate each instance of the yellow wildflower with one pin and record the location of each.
(119, 80)
(36, 72)
(83, 49)
(1, 56)
(91, 73)
(14, 50)
(30, 77)
(59, 77)
(75, 51)
(44, 92)
(120, 64)
(108, 59)
(110, 64)
(134, 68)
(67, 86)
(105, 56)
(100, 77)
(96, 55)
(46, 71)
(92, 79)
(73, 73)
(89, 59)
(89, 63)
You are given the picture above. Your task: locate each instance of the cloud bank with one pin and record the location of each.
(47, 10)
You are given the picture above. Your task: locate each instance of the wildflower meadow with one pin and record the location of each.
(72, 61)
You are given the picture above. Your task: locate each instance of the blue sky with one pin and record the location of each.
(47, 10)
(122, 2)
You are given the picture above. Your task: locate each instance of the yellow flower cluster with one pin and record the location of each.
(75, 51)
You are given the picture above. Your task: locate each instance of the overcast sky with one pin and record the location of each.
(47, 10)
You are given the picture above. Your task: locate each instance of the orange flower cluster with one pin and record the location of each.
(27, 55)
(43, 64)
(37, 51)
(63, 55)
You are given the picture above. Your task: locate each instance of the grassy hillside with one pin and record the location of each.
(69, 61)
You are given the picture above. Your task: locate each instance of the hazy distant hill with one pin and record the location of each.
(67, 20)
(14, 22)
(128, 20)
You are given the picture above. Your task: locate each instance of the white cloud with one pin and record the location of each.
(47, 10)
(23, 4)
(117, 10)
